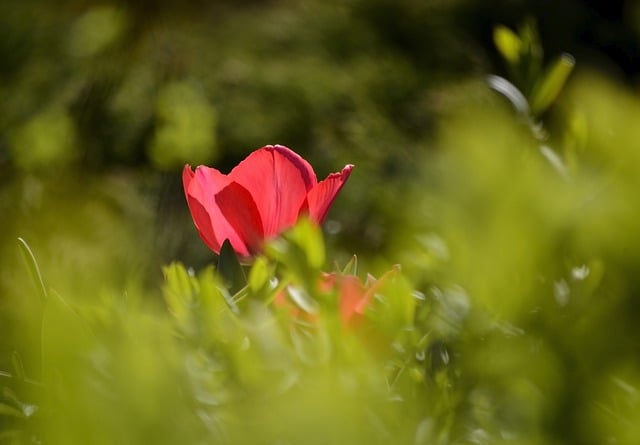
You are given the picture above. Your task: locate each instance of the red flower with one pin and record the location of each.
(354, 296)
(262, 196)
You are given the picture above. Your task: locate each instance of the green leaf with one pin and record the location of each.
(230, 269)
(309, 237)
(508, 43)
(180, 290)
(259, 274)
(214, 296)
(303, 242)
(301, 251)
(530, 39)
(394, 302)
(352, 266)
(549, 86)
(311, 344)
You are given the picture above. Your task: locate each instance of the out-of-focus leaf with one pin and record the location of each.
(352, 266)
(508, 43)
(393, 303)
(301, 251)
(308, 237)
(260, 274)
(312, 345)
(96, 30)
(549, 86)
(186, 127)
(180, 289)
(214, 296)
(48, 138)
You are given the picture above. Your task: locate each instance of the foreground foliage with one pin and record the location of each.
(512, 318)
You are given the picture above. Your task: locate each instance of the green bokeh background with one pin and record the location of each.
(532, 275)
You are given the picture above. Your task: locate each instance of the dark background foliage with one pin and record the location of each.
(111, 86)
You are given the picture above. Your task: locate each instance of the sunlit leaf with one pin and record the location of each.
(180, 289)
(508, 43)
(549, 86)
(301, 251)
(308, 237)
(351, 267)
(259, 274)
(214, 295)
(393, 305)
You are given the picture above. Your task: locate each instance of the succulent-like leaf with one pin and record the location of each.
(508, 43)
(551, 83)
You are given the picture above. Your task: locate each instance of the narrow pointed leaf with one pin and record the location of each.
(550, 85)
(230, 269)
(352, 266)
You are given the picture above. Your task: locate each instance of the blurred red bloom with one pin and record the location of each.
(354, 296)
(261, 197)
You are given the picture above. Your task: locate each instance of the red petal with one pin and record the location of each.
(199, 214)
(187, 176)
(208, 182)
(353, 298)
(322, 195)
(372, 287)
(305, 169)
(278, 180)
(240, 211)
